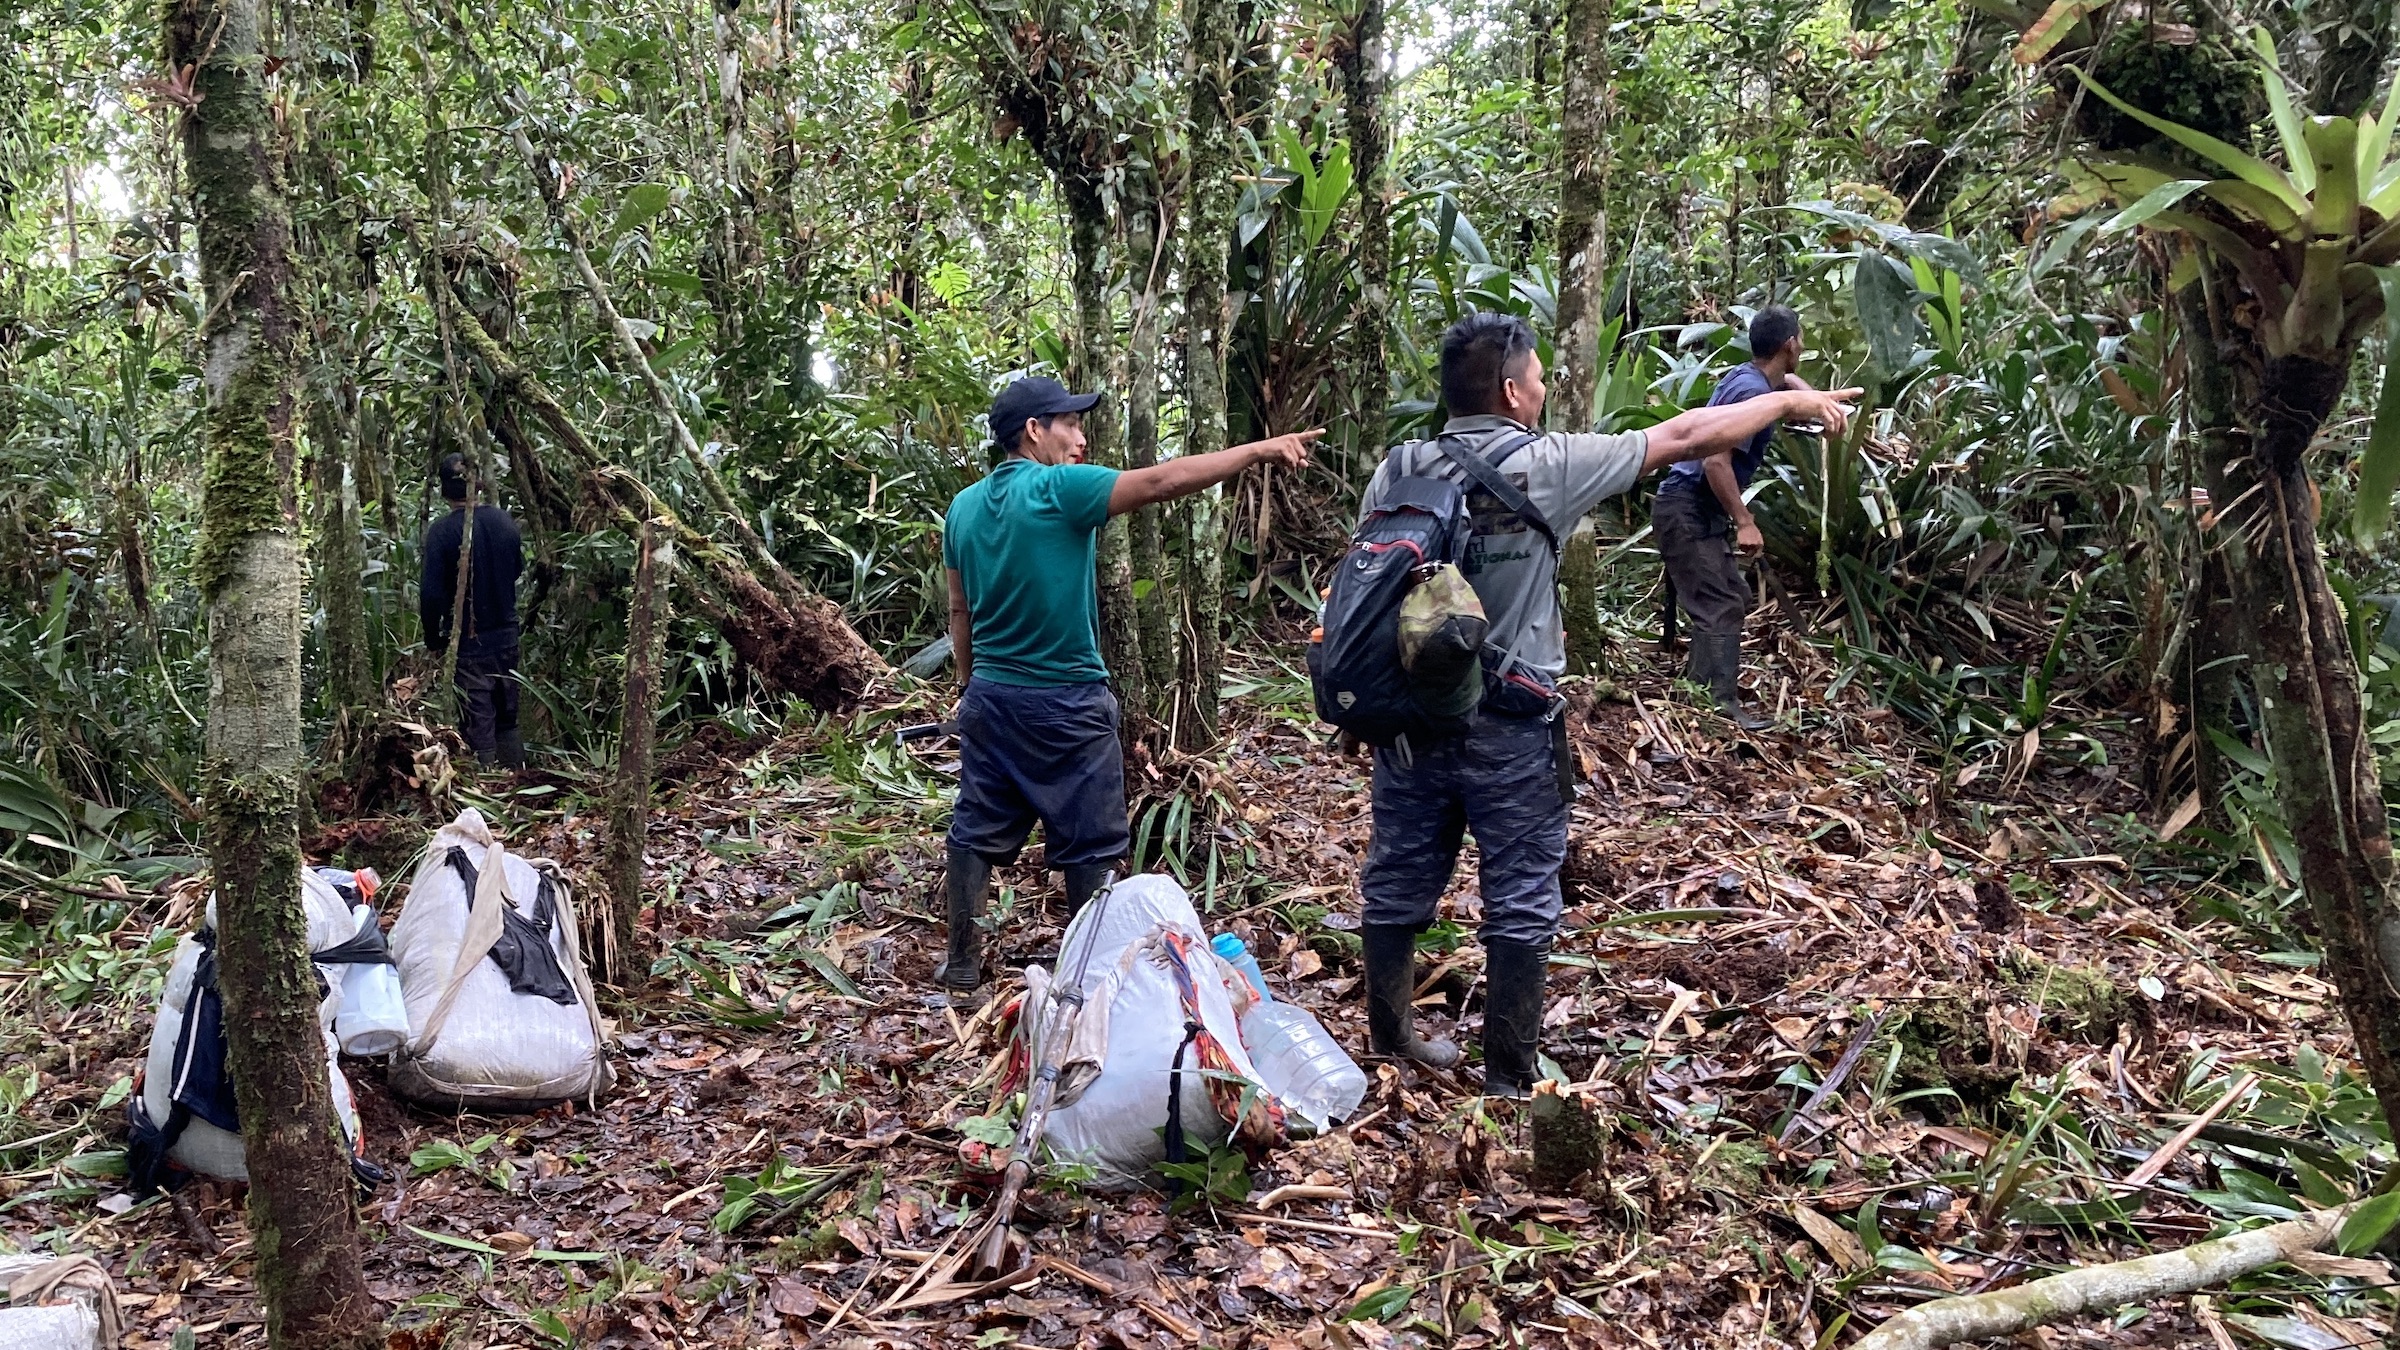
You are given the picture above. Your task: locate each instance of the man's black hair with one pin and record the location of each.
(1007, 437)
(1479, 353)
(453, 472)
(1770, 328)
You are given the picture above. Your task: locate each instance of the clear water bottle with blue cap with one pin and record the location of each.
(1236, 953)
(1300, 1062)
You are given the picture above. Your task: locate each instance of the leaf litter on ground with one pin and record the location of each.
(1860, 1042)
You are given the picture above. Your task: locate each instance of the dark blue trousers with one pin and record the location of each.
(1500, 782)
(1048, 753)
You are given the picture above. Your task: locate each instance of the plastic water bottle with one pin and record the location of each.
(372, 1020)
(1236, 953)
(1301, 1064)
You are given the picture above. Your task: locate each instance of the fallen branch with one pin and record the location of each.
(2157, 1162)
(2007, 1312)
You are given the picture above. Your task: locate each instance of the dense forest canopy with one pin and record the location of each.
(712, 299)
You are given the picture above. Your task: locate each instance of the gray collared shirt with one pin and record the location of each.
(1508, 562)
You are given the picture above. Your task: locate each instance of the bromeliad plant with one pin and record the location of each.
(2287, 270)
(2314, 242)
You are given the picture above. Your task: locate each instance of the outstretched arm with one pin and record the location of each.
(1705, 431)
(1185, 475)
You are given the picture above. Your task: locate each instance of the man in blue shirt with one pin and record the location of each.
(1700, 498)
(1037, 725)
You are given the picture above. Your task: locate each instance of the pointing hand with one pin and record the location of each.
(1289, 450)
(1829, 406)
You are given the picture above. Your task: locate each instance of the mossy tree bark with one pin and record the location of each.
(2300, 662)
(1149, 245)
(1091, 364)
(1209, 29)
(302, 1219)
(1582, 280)
(1363, 64)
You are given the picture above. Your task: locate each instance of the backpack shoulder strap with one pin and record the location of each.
(1491, 480)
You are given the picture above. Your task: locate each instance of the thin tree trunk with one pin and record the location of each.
(1089, 369)
(303, 1224)
(1582, 279)
(637, 733)
(1150, 243)
(1363, 68)
(341, 563)
(2300, 662)
(1209, 27)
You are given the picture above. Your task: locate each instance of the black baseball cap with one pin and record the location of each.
(1034, 396)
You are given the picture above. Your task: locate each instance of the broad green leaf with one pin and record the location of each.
(1382, 1305)
(2287, 121)
(2368, 1224)
(643, 203)
(463, 1244)
(2375, 137)
(2156, 200)
(1887, 310)
(2386, 193)
(2249, 168)
(2247, 200)
(2379, 464)
(1322, 198)
(832, 974)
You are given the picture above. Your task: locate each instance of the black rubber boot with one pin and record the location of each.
(1391, 950)
(1723, 676)
(511, 751)
(1515, 981)
(1083, 882)
(969, 877)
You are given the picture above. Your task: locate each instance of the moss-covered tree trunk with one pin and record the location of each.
(1209, 28)
(341, 558)
(1582, 282)
(637, 736)
(1369, 381)
(1148, 246)
(1090, 365)
(302, 1220)
(2253, 452)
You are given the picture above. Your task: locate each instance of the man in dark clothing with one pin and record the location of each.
(1700, 499)
(487, 649)
(1037, 725)
(1498, 781)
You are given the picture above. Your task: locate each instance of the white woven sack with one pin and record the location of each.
(203, 1147)
(73, 1322)
(1114, 1126)
(473, 1041)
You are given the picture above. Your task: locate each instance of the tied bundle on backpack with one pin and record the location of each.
(1156, 1068)
(1400, 656)
(182, 1118)
(500, 1012)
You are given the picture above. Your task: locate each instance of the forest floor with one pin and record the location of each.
(2019, 994)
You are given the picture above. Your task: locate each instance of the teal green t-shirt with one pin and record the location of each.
(1022, 542)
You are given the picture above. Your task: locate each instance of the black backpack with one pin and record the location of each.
(1354, 661)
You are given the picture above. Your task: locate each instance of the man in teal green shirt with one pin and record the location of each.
(1037, 725)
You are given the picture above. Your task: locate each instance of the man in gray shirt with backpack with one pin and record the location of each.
(1506, 778)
